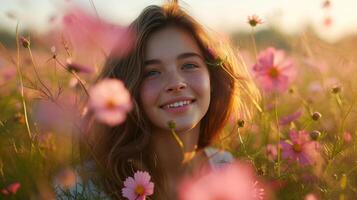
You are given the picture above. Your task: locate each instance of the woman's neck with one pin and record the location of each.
(169, 153)
(176, 162)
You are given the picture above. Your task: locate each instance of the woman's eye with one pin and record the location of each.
(151, 73)
(190, 66)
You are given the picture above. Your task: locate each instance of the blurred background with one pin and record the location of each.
(331, 22)
(63, 44)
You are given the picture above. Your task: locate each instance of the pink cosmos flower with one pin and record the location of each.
(87, 32)
(300, 148)
(11, 189)
(254, 20)
(139, 187)
(76, 67)
(231, 182)
(273, 70)
(110, 101)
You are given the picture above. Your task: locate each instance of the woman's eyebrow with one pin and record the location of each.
(189, 54)
(152, 62)
(179, 57)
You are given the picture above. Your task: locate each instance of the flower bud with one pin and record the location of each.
(314, 135)
(53, 51)
(316, 116)
(25, 42)
(19, 117)
(171, 124)
(291, 90)
(336, 89)
(254, 20)
(241, 123)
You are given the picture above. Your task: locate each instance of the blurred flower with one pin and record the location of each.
(315, 87)
(11, 189)
(66, 178)
(290, 118)
(347, 137)
(273, 70)
(327, 21)
(310, 196)
(110, 101)
(254, 20)
(90, 35)
(24, 42)
(326, 4)
(300, 148)
(231, 182)
(59, 116)
(78, 68)
(6, 74)
(139, 187)
(271, 151)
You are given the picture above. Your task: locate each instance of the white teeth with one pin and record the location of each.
(178, 104)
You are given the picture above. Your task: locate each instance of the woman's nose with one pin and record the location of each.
(178, 86)
(175, 83)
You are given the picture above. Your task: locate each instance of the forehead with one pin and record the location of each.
(170, 42)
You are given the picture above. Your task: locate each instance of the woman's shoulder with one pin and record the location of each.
(218, 157)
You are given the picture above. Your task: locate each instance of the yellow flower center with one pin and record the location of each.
(139, 190)
(297, 148)
(110, 104)
(274, 72)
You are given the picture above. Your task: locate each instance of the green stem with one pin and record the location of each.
(278, 131)
(75, 75)
(254, 44)
(22, 85)
(178, 140)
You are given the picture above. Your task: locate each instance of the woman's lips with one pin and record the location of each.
(177, 101)
(178, 109)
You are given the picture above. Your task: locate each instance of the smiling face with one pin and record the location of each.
(176, 83)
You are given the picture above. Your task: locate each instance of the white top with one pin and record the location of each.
(217, 159)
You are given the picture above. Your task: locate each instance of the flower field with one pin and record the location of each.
(300, 143)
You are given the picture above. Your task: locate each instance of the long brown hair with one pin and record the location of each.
(120, 151)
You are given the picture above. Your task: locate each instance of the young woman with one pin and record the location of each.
(178, 74)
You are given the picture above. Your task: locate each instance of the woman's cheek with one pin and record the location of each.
(200, 82)
(150, 91)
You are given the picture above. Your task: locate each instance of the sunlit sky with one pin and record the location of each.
(220, 15)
